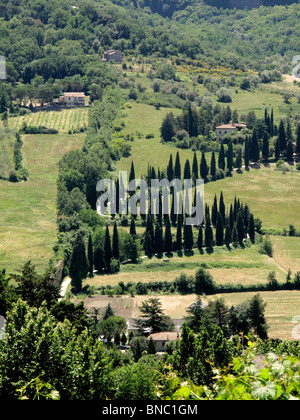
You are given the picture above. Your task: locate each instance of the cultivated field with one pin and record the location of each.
(62, 119)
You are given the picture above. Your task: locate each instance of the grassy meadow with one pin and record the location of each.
(28, 209)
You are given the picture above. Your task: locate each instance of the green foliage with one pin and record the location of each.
(36, 345)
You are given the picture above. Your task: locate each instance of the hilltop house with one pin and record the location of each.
(73, 99)
(113, 55)
(224, 129)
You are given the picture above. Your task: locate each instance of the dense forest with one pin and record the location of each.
(57, 40)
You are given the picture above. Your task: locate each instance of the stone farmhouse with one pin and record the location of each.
(113, 55)
(160, 339)
(73, 99)
(224, 129)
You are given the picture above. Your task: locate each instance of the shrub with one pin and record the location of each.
(266, 247)
(224, 95)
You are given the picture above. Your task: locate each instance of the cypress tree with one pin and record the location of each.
(117, 188)
(255, 147)
(246, 217)
(177, 168)
(99, 258)
(149, 226)
(195, 168)
(289, 134)
(170, 169)
(282, 136)
(167, 129)
(251, 228)
(188, 237)
(272, 123)
(173, 216)
(132, 172)
(219, 230)
(235, 209)
(179, 233)
(132, 230)
(231, 218)
(230, 157)
(148, 246)
(239, 161)
(79, 267)
(234, 234)
(247, 152)
(222, 209)
(158, 239)
(168, 237)
(265, 148)
(90, 256)
(221, 160)
(204, 170)
(240, 226)
(115, 250)
(298, 141)
(200, 238)
(209, 240)
(290, 152)
(213, 165)
(277, 149)
(107, 249)
(187, 170)
(214, 212)
(227, 236)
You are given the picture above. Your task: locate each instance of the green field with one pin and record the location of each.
(28, 210)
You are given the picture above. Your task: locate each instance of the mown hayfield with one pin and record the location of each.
(28, 209)
(287, 252)
(62, 119)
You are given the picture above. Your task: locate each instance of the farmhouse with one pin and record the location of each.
(73, 99)
(160, 339)
(224, 129)
(113, 55)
